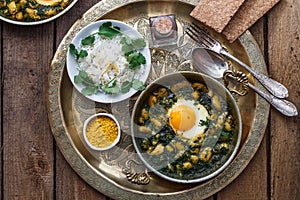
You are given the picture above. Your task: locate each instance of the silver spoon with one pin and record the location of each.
(214, 65)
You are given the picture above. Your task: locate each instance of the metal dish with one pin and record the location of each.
(119, 173)
(196, 155)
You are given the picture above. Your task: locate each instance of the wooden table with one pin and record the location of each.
(32, 166)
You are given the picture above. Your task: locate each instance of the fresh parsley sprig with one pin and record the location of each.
(130, 48)
(76, 53)
(108, 30)
(109, 87)
(134, 83)
(90, 86)
(204, 122)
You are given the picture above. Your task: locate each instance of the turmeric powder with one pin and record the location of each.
(102, 131)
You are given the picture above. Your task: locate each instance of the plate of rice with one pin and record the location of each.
(108, 61)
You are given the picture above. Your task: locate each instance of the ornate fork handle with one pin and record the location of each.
(285, 107)
(239, 77)
(274, 87)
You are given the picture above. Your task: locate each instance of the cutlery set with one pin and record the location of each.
(277, 91)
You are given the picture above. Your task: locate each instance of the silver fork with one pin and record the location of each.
(204, 39)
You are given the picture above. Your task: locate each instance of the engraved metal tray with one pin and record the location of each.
(118, 172)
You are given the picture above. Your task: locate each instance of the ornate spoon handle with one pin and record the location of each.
(274, 87)
(285, 107)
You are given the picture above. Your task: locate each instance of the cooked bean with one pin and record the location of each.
(159, 149)
(141, 120)
(32, 13)
(152, 101)
(180, 85)
(187, 165)
(50, 12)
(169, 148)
(145, 129)
(198, 85)
(154, 141)
(144, 113)
(178, 167)
(206, 154)
(179, 146)
(194, 159)
(2, 4)
(19, 16)
(196, 95)
(210, 93)
(162, 92)
(64, 3)
(156, 122)
(216, 102)
(12, 7)
(195, 151)
(227, 126)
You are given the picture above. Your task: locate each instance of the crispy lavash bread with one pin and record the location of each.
(246, 16)
(216, 13)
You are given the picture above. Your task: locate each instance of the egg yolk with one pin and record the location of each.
(182, 118)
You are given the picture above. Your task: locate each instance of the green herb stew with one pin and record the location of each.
(31, 10)
(186, 131)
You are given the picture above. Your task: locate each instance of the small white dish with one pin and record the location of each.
(94, 117)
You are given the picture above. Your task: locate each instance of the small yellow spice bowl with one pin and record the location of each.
(101, 131)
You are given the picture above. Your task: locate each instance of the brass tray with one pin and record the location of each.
(118, 173)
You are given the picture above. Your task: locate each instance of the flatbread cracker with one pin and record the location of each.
(246, 16)
(216, 13)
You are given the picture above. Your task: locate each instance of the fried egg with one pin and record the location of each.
(185, 118)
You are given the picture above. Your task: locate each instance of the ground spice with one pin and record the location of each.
(102, 131)
(163, 30)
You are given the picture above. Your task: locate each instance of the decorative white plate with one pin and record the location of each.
(72, 66)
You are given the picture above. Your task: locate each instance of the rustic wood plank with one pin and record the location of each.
(284, 55)
(243, 187)
(1, 122)
(27, 140)
(68, 183)
(252, 182)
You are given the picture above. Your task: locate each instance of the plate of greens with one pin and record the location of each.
(108, 61)
(33, 12)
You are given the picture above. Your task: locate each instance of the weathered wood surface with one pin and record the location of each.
(284, 61)
(34, 168)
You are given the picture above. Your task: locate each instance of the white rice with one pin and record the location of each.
(106, 60)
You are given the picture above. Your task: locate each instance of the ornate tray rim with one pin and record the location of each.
(100, 182)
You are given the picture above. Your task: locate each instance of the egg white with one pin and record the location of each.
(201, 114)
